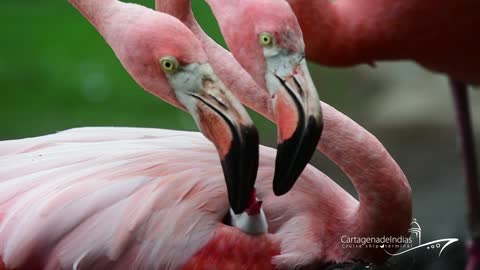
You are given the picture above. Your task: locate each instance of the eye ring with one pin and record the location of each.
(169, 64)
(266, 39)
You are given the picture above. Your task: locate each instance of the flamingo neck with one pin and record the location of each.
(225, 10)
(98, 13)
(384, 193)
(177, 8)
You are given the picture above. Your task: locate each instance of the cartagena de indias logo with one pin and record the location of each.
(402, 244)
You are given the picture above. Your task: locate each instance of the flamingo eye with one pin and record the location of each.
(169, 64)
(265, 39)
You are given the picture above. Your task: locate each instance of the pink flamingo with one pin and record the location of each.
(339, 142)
(439, 35)
(123, 198)
(144, 213)
(172, 65)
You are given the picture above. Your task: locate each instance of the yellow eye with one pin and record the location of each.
(265, 39)
(169, 64)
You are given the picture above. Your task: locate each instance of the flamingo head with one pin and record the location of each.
(266, 39)
(166, 59)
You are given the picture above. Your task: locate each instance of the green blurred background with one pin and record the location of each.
(56, 72)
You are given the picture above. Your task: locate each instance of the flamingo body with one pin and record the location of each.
(439, 35)
(126, 198)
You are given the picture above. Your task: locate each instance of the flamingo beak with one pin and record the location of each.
(226, 123)
(299, 119)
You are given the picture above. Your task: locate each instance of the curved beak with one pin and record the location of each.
(298, 116)
(226, 123)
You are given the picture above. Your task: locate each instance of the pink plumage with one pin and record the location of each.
(126, 198)
(99, 198)
(436, 34)
(120, 198)
(385, 197)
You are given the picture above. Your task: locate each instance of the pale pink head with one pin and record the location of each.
(165, 58)
(265, 38)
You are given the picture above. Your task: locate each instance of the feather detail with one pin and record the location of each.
(126, 198)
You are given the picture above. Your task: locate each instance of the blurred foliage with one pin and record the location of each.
(56, 72)
(59, 73)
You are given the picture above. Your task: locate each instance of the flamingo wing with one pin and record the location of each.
(128, 193)
(130, 198)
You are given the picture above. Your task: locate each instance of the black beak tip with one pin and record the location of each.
(294, 154)
(240, 167)
(278, 188)
(284, 177)
(237, 207)
(239, 190)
